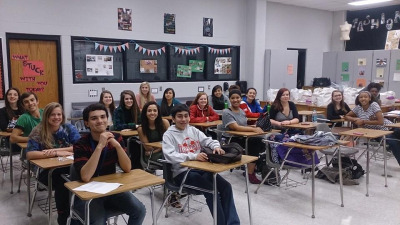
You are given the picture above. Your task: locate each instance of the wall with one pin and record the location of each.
(99, 19)
(298, 27)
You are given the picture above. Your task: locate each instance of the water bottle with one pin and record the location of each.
(314, 116)
(268, 107)
(226, 104)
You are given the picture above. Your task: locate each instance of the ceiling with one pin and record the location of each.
(332, 5)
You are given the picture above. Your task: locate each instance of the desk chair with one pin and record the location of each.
(148, 165)
(171, 186)
(74, 214)
(4, 152)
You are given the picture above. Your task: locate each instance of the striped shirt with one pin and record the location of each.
(370, 114)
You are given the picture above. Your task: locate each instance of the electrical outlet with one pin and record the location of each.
(209, 87)
(92, 93)
(160, 88)
(103, 89)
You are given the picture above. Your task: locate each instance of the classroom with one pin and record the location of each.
(79, 79)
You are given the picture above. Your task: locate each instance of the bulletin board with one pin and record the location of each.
(1, 72)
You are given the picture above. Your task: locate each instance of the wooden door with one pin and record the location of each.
(34, 68)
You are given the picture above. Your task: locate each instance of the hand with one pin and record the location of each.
(286, 122)
(64, 153)
(114, 142)
(104, 138)
(258, 130)
(359, 122)
(202, 157)
(50, 152)
(218, 151)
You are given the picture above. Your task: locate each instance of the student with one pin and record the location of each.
(52, 137)
(144, 95)
(200, 111)
(233, 87)
(374, 89)
(283, 111)
(107, 99)
(182, 142)
(337, 109)
(368, 114)
(126, 115)
(13, 109)
(168, 102)
(27, 121)
(97, 154)
(217, 99)
(235, 119)
(250, 105)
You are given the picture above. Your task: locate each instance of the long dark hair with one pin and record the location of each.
(134, 109)
(164, 102)
(160, 128)
(341, 103)
(277, 102)
(112, 105)
(10, 111)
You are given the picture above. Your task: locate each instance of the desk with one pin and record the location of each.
(216, 168)
(47, 164)
(7, 135)
(129, 134)
(247, 134)
(74, 118)
(370, 134)
(133, 180)
(169, 118)
(306, 113)
(392, 117)
(207, 124)
(154, 144)
(394, 125)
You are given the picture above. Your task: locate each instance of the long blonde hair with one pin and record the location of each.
(46, 134)
(144, 99)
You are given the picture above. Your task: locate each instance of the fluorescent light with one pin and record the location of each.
(367, 2)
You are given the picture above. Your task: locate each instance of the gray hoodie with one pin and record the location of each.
(182, 145)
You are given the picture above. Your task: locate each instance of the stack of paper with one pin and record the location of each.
(98, 187)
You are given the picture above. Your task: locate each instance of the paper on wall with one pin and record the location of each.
(396, 77)
(379, 72)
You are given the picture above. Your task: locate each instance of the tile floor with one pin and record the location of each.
(270, 206)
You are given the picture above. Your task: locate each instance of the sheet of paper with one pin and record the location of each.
(379, 72)
(396, 77)
(70, 157)
(394, 112)
(98, 187)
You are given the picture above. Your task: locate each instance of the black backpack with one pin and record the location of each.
(233, 153)
(350, 165)
(322, 82)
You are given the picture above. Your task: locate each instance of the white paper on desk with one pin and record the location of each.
(70, 157)
(394, 112)
(98, 187)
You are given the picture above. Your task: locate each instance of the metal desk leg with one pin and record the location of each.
(215, 198)
(248, 193)
(339, 154)
(87, 212)
(28, 176)
(152, 206)
(385, 160)
(367, 180)
(313, 184)
(50, 192)
(11, 169)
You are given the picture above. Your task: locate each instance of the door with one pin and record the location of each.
(34, 67)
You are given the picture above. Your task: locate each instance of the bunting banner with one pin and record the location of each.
(220, 51)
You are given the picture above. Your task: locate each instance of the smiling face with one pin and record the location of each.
(218, 93)
(30, 104)
(374, 92)
(202, 101)
(128, 101)
(12, 97)
(251, 95)
(364, 99)
(144, 89)
(107, 99)
(55, 118)
(169, 95)
(152, 112)
(181, 120)
(97, 121)
(285, 96)
(235, 100)
(337, 96)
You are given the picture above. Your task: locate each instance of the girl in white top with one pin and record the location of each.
(144, 95)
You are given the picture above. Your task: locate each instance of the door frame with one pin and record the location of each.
(37, 37)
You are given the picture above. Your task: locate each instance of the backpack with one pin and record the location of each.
(321, 82)
(264, 122)
(233, 153)
(350, 165)
(263, 168)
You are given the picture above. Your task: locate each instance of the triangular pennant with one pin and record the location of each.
(96, 45)
(105, 48)
(101, 47)
(119, 48)
(140, 48)
(136, 46)
(180, 50)
(148, 52)
(152, 52)
(198, 49)
(159, 51)
(111, 48)
(163, 49)
(220, 51)
(195, 51)
(186, 52)
(127, 45)
(209, 49)
(215, 51)
(123, 47)
(115, 48)
(144, 50)
(176, 49)
(156, 51)
(191, 50)
(226, 51)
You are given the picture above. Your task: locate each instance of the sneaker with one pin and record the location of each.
(253, 179)
(174, 201)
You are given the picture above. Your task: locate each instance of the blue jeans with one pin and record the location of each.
(226, 210)
(395, 144)
(124, 202)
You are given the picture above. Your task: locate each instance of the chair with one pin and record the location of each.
(170, 187)
(148, 164)
(111, 213)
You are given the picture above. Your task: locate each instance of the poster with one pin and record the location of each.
(196, 65)
(362, 62)
(381, 62)
(392, 40)
(184, 71)
(361, 82)
(148, 66)
(379, 72)
(124, 19)
(290, 69)
(396, 77)
(398, 64)
(345, 66)
(169, 23)
(207, 27)
(99, 65)
(361, 70)
(345, 77)
(223, 65)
